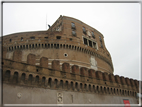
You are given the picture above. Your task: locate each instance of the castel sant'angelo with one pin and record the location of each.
(66, 64)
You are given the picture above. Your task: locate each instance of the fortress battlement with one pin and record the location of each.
(66, 77)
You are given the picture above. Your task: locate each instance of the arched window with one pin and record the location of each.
(43, 80)
(15, 77)
(85, 87)
(76, 86)
(108, 89)
(30, 78)
(97, 88)
(90, 88)
(23, 76)
(49, 82)
(72, 85)
(7, 74)
(37, 79)
(105, 89)
(81, 86)
(93, 87)
(55, 83)
(61, 84)
(66, 84)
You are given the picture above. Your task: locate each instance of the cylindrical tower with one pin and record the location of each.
(67, 40)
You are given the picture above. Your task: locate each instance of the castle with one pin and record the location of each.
(67, 64)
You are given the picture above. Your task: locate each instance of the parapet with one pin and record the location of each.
(65, 71)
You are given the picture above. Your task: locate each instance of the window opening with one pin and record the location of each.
(30, 77)
(73, 25)
(93, 35)
(66, 84)
(46, 37)
(76, 85)
(57, 47)
(85, 41)
(84, 30)
(61, 83)
(36, 70)
(32, 37)
(94, 45)
(43, 79)
(37, 79)
(73, 33)
(55, 82)
(72, 85)
(85, 86)
(90, 43)
(65, 54)
(101, 45)
(100, 39)
(70, 39)
(21, 38)
(49, 82)
(23, 76)
(10, 40)
(7, 74)
(58, 37)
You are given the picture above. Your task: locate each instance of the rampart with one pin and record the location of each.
(65, 77)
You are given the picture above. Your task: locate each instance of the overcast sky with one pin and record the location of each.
(118, 22)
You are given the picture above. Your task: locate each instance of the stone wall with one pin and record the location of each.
(67, 77)
(32, 95)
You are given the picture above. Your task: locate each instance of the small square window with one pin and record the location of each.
(94, 45)
(46, 37)
(58, 37)
(70, 39)
(21, 38)
(32, 37)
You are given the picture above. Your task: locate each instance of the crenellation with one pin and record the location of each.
(99, 75)
(111, 78)
(44, 62)
(91, 73)
(66, 67)
(17, 55)
(127, 81)
(56, 65)
(75, 69)
(122, 80)
(117, 79)
(84, 71)
(46, 71)
(31, 59)
(105, 76)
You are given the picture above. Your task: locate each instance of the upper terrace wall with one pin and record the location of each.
(76, 53)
